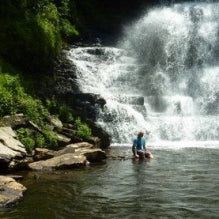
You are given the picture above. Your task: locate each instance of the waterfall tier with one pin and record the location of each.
(169, 58)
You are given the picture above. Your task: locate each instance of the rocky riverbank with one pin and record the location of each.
(73, 152)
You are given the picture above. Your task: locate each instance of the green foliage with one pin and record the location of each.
(40, 141)
(50, 139)
(26, 136)
(33, 139)
(82, 129)
(29, 144)
(61, 110)
(32, 31)
(68, 31)
(13, 99)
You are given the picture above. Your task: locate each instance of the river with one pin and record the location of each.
(169, 59)
(177, 183)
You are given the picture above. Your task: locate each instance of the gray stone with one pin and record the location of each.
(80, 145)
(10, 148)
(54, 121)
(63, 139)
(10, 191)
(65, 161)
(72, 148)
(43, 154)
(93, 155)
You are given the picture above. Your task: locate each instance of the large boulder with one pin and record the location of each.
(73, 155)
(65, 161)
(93, 155)
(85, 149)
(10, 191)
(10, 147)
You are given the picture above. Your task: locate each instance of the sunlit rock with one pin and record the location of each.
(10, 147)
(65, 161)
(10, 191)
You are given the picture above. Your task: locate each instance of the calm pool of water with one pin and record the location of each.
(182, 183)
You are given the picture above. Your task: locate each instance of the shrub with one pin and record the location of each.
(82, 129)
(26, 136)
(40, 141)
(29, 143)
(13, 99)
(68, 30)
(61, 110)
(50, 139)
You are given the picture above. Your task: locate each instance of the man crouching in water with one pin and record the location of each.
(139, 149)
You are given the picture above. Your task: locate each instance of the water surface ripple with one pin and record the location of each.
(176, 184)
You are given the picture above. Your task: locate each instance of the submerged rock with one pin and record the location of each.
(10, 191)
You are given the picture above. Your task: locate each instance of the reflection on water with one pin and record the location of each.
(176, 184)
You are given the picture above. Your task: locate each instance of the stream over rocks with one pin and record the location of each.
(162, 78)
(168, 58)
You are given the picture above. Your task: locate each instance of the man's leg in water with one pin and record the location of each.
(141, 154)
(148, 155)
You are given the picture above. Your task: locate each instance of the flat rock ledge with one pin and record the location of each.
(72, 156)
(65, 161)
(10, 191)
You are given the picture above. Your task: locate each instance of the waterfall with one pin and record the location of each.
(169, 57)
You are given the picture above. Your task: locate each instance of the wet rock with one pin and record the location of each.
(65, 161)
(22, 164)
(99, 132)
(88, 104)
(93, 155)
(132, 100)
(43, 154)
(10, 191)
(94, 141)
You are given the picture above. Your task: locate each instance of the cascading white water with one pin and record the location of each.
(170, 57)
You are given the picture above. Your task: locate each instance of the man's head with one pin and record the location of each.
(140, 134)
